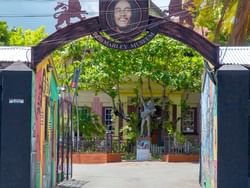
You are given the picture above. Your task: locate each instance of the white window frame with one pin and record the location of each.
(107, 116)
(188, 122)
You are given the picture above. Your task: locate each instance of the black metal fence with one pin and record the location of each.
(112, 144)
(188, 146)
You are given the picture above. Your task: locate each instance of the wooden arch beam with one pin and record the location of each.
(62, 37)
(207, 49)
(80, 29)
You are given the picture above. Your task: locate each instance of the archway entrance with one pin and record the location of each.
(174, 30)
(83, 28)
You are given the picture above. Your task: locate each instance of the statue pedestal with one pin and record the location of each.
(143, 149)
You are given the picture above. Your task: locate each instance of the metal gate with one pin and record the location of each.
(64, 142)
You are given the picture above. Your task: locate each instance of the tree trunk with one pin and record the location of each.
(164, 106)
(218, 27)
(118, 94)
(141, 86)
(113, 102)
(241, 25)
(121, 111)
(164, 116)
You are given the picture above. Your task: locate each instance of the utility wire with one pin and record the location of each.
(104, 30)
(142, 22)
(93, 12)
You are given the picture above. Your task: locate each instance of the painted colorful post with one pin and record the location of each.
(225, 129)
(209, 134)
(46, 121)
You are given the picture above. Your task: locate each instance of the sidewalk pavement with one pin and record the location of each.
(148, 174)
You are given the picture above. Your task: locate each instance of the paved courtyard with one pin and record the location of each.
(136, 175)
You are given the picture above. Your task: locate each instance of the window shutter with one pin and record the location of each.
(131, 109)
(97, 106)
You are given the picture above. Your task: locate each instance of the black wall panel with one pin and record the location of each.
(15, 129)
(233, 94)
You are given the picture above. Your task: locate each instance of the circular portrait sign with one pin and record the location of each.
(123, 19)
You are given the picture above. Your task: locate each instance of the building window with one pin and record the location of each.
(107, 116)
(84, 112)
(189, 121)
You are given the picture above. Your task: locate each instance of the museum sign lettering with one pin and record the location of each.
(124, 21)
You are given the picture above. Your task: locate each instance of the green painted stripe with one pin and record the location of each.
(38, 174)
(53, 174)
(47, 157)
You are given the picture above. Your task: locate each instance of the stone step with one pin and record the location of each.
(72, 184)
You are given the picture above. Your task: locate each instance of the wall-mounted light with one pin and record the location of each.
(62, 89)
(49, 68)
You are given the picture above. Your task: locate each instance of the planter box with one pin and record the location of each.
(181, 158)
(94, 158)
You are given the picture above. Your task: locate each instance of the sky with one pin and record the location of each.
(30, 14)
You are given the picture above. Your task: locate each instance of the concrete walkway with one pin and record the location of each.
(136, 175)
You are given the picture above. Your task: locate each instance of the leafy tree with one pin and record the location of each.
(165, 61)
(4, 34)
(20, 37)
(90, 126)
(173, 66)
(131, 128)
(228, 20)
(241, 26)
